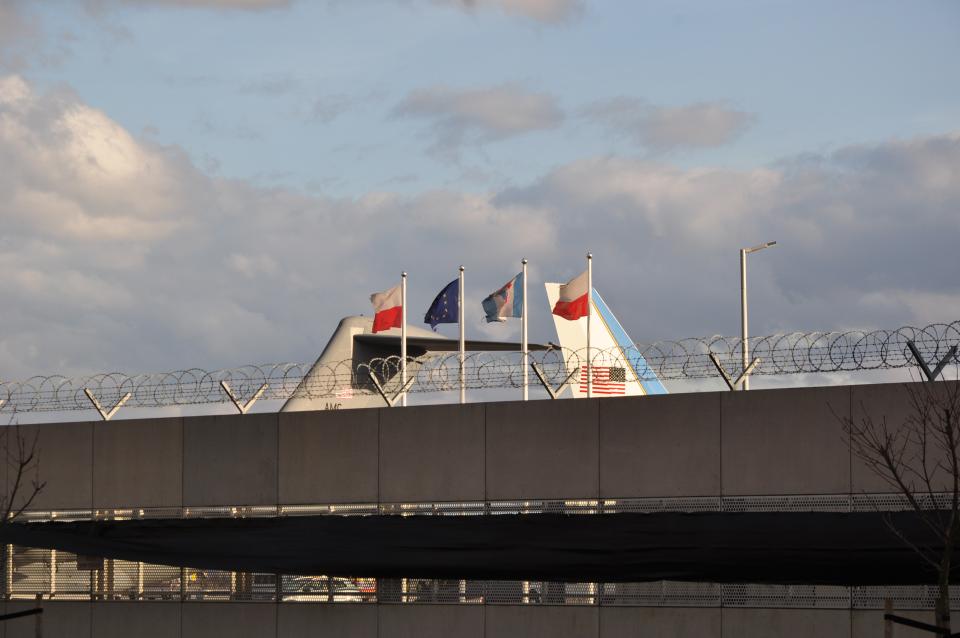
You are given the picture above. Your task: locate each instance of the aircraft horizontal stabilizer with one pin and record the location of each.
(443, 344)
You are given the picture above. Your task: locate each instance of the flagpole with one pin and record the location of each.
(589, 313)
(403, 336)
(463, 341)
(523, 331)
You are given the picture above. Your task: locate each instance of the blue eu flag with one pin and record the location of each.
(444, 307)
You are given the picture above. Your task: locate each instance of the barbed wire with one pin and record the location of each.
(805, 352)
(780, 354)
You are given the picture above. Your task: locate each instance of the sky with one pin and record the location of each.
(211, 183)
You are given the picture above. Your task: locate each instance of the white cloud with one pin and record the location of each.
(79, 175)
(861, 222)
(118, 254)
(21, 36)
(546, 11)
(24, 43)
(663, 128)
(253, 5)
(459, 116)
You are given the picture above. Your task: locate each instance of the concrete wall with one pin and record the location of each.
(765, 442)
(138, 463)
(772, 442)
(294, 620)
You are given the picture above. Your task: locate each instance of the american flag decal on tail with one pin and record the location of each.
(606, 379)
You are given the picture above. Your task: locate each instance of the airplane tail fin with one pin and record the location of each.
(618, 367)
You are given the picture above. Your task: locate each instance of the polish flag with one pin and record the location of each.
(388, 307)
(572, 303)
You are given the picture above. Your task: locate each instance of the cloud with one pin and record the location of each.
(251, 5)
(12, 24)
(546, 11)
(471, 116)
(664, 128)
(119, 254)
(270, 85)
(79, 175)
(327, 108)
(860, 224)
(21, 36)
(23, 41)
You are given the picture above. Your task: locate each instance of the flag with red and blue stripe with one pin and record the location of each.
(506, 302)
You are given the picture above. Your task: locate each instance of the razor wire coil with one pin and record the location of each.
(779, 354)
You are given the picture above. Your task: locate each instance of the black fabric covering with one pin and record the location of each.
(797, 548)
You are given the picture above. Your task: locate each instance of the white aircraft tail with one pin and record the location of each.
(340, 378)
(618, 368)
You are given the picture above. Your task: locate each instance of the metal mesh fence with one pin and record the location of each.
(64, 576)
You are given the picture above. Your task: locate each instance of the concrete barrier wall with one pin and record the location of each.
(65, 455)
(230, 460)
(432, 453)
(785, 441)
(293, 620)
(664, 445)
(766, 442)
(763, 442)
(137, 463)
(330, 460)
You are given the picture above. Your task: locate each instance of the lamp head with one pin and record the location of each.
(759, 247)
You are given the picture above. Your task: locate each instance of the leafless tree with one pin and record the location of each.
(918, 457)
(23, 479)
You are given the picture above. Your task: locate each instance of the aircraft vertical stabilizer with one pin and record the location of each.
(619, 369)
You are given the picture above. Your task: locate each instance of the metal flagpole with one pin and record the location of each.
(589, 313)
(743, 317)
(523, 331)
(463, 342)
(403, 337)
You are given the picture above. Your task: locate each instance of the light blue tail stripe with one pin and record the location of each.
(648, 378)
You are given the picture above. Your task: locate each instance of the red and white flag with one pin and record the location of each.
(572, 303)
(388, 306)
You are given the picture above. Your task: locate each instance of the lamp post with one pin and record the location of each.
(743, 305)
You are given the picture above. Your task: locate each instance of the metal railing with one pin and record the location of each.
(59, 575)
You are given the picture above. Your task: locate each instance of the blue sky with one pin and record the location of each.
(214, 182)
(305, 95)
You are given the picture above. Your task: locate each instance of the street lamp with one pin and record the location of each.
(743, 305)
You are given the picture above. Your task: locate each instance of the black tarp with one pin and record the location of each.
(789, 548)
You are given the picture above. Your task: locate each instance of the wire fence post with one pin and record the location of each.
(925, 368)
(553, 392)
(243, 408)
(38, 619)
(731, 383)
(106, 415)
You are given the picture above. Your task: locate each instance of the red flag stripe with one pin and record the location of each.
(571, 310)
(388, 318)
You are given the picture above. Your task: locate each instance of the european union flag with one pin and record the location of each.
(444, 307)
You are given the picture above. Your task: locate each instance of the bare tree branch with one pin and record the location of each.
(23, 471)
(920, 459)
